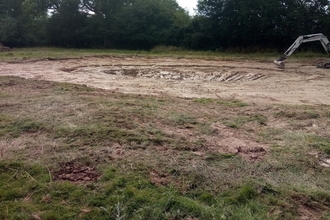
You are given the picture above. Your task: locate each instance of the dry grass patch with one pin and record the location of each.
(146, 157)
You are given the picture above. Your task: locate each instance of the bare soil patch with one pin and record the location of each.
(251, 81)
(76, 172)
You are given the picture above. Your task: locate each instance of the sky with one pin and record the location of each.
(188, 4)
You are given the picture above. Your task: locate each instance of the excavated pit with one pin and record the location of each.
(251, 81)
(194, 74)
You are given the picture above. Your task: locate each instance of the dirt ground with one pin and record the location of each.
(246, 80)
(259, 82)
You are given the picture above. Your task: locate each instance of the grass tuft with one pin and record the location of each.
(238, 122)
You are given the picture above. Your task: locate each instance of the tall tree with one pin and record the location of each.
(248, 23)
(67, 24)
(147, 23)
(22, 22)
(10, 22)
(34, 14)
(106, 19)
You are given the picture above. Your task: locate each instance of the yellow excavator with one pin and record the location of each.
(303, 39)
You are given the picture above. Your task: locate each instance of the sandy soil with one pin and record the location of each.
(250, 81)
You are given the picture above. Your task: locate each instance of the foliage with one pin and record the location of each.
(250, 23)
(23, 22)
(66, 26)
(149, 23)
(242, 25)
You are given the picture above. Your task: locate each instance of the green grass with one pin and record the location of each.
(175, 52)
(319, 143)
(130, 196)
(229, 103)
(158, 157)
(238, 122)
(15, 127)
(298, 115)
(62, 53)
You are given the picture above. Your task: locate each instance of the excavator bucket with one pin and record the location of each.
(280, 62)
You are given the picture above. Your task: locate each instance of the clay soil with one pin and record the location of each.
(247, 80)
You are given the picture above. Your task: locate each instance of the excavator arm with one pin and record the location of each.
(303, 39)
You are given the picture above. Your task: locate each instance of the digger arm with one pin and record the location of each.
(309, 38)
(303, 39)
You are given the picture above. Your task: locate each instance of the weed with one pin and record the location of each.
(232, 103)
(318, 143)
(181, 120)
(327, 114)
(243, 194)
(204, 100)
(72, 87)
(4, 95)
(217, 157)
(299, 115)
(321, 196)
(228, 103)
(269, 135)
(206, 129)
(15, 127)
(240, 121)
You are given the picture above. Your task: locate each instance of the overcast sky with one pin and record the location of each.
(188, 4)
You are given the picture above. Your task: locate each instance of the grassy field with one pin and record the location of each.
(73, 152)
(57, 53)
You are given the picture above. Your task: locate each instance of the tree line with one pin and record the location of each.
(144, 24)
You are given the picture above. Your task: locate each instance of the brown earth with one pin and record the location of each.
(247, 80)
(76, 172)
